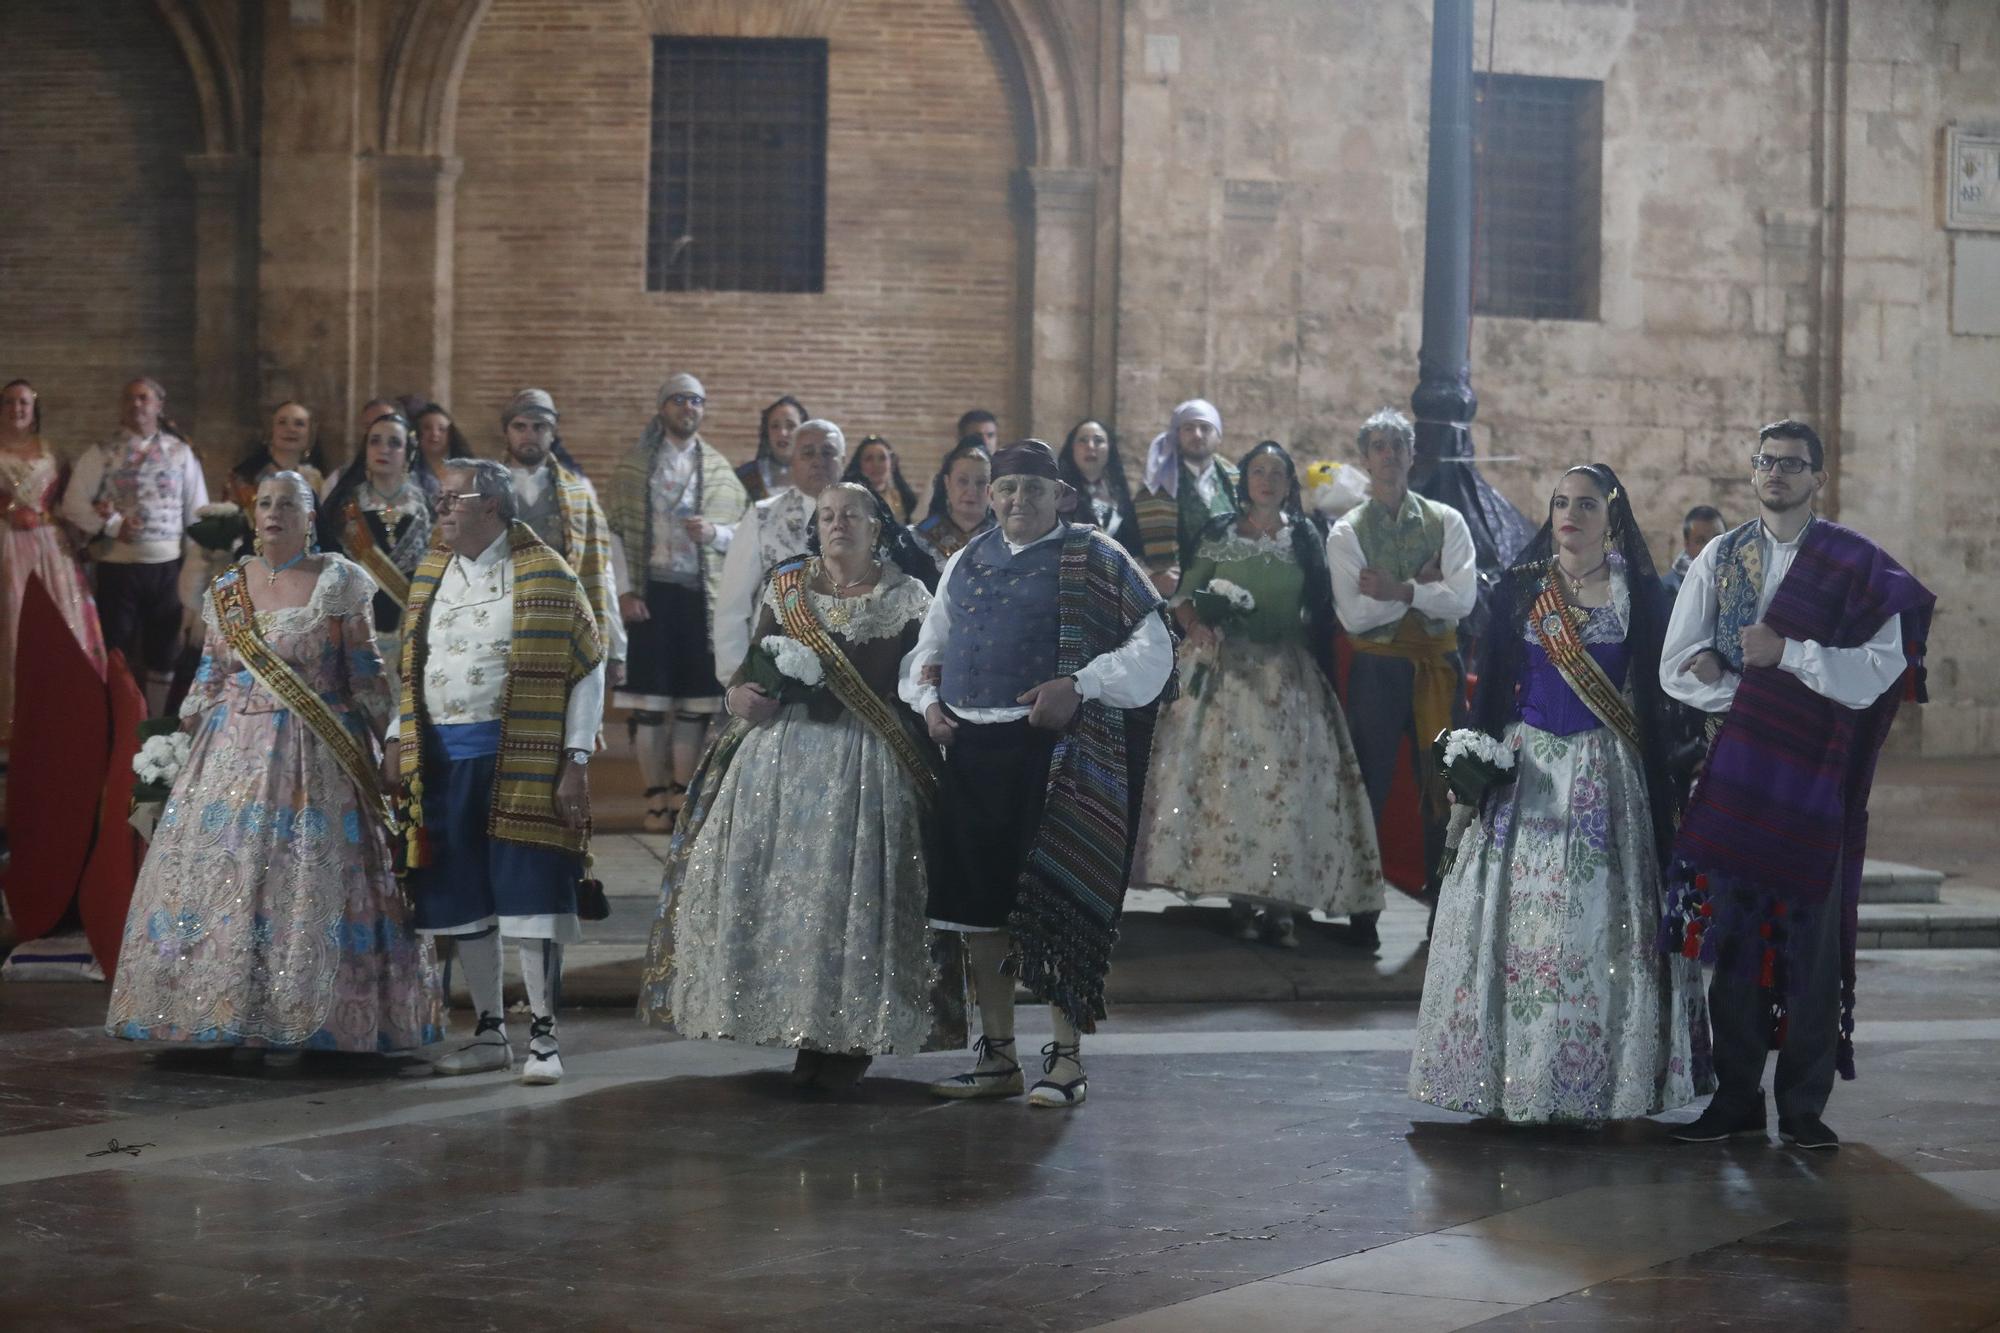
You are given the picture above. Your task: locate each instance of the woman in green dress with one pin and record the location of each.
(1255, 794)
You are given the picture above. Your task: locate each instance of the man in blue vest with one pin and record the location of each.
(1036, 670)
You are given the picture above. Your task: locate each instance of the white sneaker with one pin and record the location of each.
(487, 1052)
(544, 1063)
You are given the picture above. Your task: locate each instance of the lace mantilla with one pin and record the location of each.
(879, 614)
(1602, 624)
(1235, 546)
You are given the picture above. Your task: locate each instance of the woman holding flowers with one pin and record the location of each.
(1545, 998)
(1255, 792)
(267, 914)
(795, 886)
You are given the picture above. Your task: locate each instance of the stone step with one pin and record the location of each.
(1893, 882)
(1964, 916)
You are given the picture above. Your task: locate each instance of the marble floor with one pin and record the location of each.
(1238, 1167)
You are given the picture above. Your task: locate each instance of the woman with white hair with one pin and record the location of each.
(770, 531)
(267, 914)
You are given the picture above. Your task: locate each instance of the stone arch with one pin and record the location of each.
(213, 62)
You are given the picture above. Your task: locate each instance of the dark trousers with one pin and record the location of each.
(1379, 719)
(994, 786)
(1739, 1018)
(139, 607)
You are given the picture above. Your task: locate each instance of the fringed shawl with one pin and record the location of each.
(1780, 810)
(1065, 917)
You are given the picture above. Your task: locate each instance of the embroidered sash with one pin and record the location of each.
(238, 616)
(368, 553)
(802, 622)
(1555, 629)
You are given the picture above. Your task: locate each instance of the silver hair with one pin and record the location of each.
(1388, 421)
(826, 428)
(297, 483)
(488, 478)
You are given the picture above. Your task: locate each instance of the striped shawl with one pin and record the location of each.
(586, 543)
(629, 511)
(555, 645)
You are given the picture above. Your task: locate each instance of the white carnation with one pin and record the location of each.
(160, 760)
(796, 660)
(1235, 594)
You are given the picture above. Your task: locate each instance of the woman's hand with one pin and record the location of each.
(1204, 637)
(752, 704)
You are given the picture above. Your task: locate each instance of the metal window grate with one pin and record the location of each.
(737, 201)
(1536, 244)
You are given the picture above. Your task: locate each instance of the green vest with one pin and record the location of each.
(1400, 546)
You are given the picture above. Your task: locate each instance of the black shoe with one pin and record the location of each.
(1807, 1131)
(1362, 931)
(1718, 1123)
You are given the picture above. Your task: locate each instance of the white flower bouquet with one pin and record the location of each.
(1472, 764)
(161, 757)
(785, 669)
(219, 527)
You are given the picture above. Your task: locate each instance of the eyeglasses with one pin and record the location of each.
(1791, 467)
(449, 500)
(686, 399)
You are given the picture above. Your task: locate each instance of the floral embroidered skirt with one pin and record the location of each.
(1254, 790)
(266, 913)
(1546, 998)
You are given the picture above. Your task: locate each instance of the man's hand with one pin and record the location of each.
(1432, 572)
(1762, 645)
(752, 704)
(573, 794)
(1707, 666)
(392, 765)
(942, 726)
(1166, 581)
(614, 674)
(128, 528)
(1383, 587)
(632, 608)
(700, 530)
(1052, 703)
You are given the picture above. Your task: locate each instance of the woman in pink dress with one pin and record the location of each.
(32, 541)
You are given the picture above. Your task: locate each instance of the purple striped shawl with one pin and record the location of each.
(1781, 807)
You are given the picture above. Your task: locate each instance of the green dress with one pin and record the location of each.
(1254, 791)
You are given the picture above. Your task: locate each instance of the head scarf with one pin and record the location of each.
(681, 383)
(1163, 456)
(530, 403)
(1026, 458)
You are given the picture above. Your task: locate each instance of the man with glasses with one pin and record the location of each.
(1033, 623)
(1793, 634)
(503, 690)
(772, 530)
(673, 505)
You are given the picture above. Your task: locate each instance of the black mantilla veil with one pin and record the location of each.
(895, 542)
(1308, 549)
(1503, 655)
(1114, 473)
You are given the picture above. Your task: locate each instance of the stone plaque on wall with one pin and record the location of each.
(1975, 284)
(1972, 179)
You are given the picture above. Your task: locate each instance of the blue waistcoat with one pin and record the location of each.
(1004, 622)
(1739, 586)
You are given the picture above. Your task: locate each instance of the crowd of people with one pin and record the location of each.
(909, 765)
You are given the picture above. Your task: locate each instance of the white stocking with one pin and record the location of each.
(1069, 1039)
(479, 955)
(987, 950)
(541, 972)
(649, 742)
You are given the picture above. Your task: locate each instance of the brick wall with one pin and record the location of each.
(97, 216)
(914, 324)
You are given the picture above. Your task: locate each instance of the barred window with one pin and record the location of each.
(737, 201)
(1537, 231)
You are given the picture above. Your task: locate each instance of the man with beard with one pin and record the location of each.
(561, 506)
(1792, 633)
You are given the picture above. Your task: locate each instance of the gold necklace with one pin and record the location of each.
(840, 614)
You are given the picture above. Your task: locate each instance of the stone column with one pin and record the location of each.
(1444, 401)
(225, 401)
(415, 197)
(1060, 291)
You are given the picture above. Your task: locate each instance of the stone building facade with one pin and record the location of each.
(1053, 208)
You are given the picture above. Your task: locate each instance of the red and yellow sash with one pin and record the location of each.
(1555, 629)
(802, 622)
(238, 616)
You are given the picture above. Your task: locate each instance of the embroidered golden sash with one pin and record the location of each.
(365, 551)
(238, 616)
(802, 622)
(1555, 629)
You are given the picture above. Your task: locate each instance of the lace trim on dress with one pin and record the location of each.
(343, 589)
(881, 613)
(1602, 624)
(1234, 545)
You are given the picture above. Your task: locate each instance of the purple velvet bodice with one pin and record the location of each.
(1549, 703)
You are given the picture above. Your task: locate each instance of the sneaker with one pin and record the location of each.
(544, 1064)
(1047, 1093)
(1720, 1122)
(1807, 1131)
(486, 1053)
(995, 1075)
